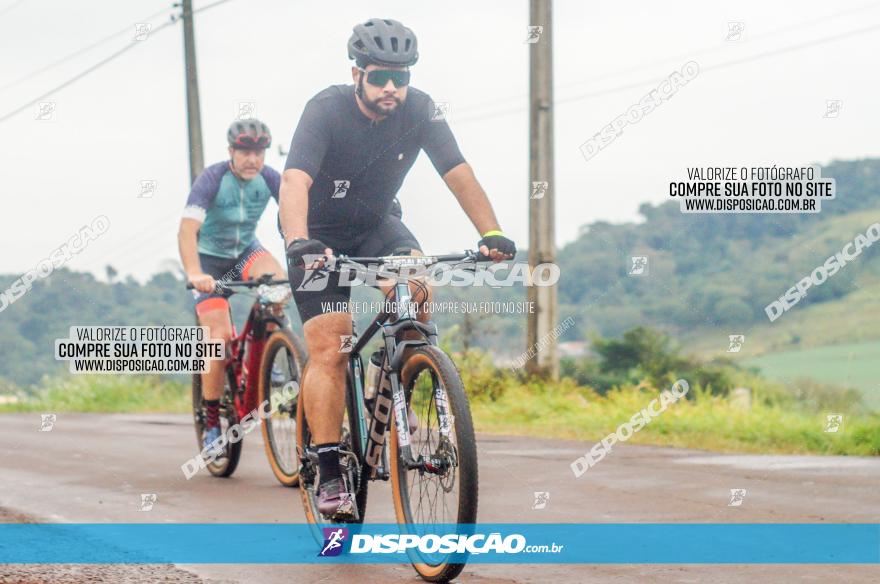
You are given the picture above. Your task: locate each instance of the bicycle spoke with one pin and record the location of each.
(282, 423)
(433, 497)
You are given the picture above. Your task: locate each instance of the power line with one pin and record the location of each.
(689, 54)
(645, 82)
(127, 29)
(99, 64)
(740, 61)
(209, 6)
(10, 7)
(726, 45)
(803, 45)
(79, 76)
(133, 241)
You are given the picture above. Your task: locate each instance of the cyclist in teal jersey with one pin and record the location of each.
(217, 242)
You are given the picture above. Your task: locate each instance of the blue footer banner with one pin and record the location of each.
(518, 543)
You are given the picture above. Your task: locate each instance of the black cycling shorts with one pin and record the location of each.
(225, 269)
(317, 292)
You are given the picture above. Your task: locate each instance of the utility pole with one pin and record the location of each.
(193, 111)
(542, 321)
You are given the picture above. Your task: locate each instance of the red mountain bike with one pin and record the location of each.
(264, 363)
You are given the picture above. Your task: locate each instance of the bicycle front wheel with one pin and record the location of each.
(280, 368)
(447, 493)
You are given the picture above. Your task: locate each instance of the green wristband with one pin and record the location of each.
(495, 232)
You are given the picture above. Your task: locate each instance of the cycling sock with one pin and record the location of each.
(212, 413)
(328, 461)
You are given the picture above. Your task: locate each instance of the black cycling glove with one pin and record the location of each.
(299, 248)
(497, 240)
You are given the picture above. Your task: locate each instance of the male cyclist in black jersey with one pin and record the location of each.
(351, 150)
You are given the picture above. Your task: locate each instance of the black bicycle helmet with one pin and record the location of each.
(249, 134)
(383, 41)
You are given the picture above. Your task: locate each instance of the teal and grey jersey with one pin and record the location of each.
(229, 208)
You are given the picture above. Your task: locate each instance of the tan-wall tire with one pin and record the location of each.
(278, 340)
(430, 357)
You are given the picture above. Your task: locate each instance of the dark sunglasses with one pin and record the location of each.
(380, 77)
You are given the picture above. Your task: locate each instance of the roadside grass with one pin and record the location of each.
(504, 403)
(105, 393)
(709, 422)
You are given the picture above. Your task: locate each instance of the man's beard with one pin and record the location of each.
(373, 105)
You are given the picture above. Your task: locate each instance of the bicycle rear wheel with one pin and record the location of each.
(281, 364)
(449, 493)
(225, 465)
(355, 471)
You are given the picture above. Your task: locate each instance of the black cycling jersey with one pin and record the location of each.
(358, 165)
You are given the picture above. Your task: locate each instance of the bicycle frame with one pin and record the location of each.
(246, 352)
(373, 443)
(246, 349)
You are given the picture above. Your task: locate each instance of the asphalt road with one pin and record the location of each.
(93, 468)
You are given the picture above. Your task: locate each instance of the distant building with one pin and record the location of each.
(572, 349)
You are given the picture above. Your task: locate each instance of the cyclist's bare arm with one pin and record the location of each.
(187, 243)
(472, 198)
(294, 204)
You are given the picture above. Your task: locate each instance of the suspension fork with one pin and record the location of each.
(400, 420)
(394, 351)
(433, 463)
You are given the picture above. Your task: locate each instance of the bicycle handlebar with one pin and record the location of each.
(474, 256)
(244, 283)
(468, 255)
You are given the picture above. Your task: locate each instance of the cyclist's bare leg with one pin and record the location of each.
(324, 383)
(220, 325)
(266, 264)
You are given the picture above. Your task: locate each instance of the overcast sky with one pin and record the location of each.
(125, 122)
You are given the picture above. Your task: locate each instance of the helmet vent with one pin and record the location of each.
(394, 44)
(378, 41)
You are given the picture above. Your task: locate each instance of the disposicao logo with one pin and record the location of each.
(334, 537)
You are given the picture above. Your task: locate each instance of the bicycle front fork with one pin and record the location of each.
(438, 462)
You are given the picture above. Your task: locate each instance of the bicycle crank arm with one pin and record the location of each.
(349, 456)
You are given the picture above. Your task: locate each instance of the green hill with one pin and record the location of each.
(717, 271)
(815, 321)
